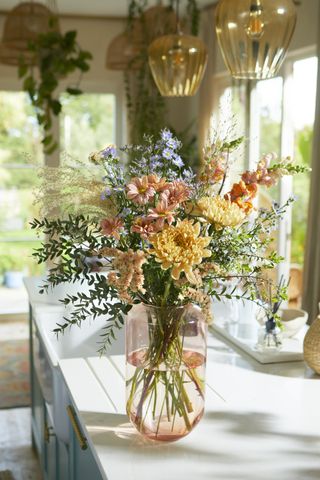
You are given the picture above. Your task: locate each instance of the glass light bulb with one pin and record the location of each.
(255, 29)
(254, 35)
(178, 56)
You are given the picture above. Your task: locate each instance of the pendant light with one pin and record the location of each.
(254, 35)
(125, 51)
(177, 63)
(22, 25)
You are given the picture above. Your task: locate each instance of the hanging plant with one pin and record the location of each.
(54, 56)
(147, 112)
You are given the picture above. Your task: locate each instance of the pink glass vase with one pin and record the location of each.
(165, 370)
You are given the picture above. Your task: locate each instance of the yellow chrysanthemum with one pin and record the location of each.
(180, 247)
(219, 211)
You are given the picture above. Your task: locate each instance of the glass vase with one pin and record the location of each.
(165, 370)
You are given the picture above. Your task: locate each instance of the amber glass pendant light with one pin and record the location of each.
(254, 35)
(177, 63)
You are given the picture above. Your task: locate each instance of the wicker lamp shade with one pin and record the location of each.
(254, 35)
(11, 56)
(125, 50)
(177, 64)
(23, 23)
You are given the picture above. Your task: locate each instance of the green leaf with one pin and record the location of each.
(47, 140)
(29, 85)
(51, 149)
(70, 37)
(74, 91)
(55, 106)
(22, 69)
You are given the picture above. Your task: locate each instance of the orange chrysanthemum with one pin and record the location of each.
(180, 247)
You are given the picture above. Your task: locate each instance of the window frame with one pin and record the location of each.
(223, 80)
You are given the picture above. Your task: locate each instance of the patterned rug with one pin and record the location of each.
(14, 373)
(6, 475)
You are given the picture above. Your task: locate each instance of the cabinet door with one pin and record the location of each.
(62, 461)
(83, 464)
(38, 415)
(50, 450)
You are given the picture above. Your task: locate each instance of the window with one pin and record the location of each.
(279, 117)
(229, 119)
(303, 113)
(20, 153)
(87, 123)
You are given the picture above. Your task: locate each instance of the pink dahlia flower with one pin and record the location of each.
(176, 192)
(161, 213)
(145, 227)
(111, 227)
(140, 190)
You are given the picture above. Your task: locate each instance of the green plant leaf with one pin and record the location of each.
(74, 91)
(55, 106)
(22, 69)
(47, 140)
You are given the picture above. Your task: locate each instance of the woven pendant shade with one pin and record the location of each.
(22, 25)
(12, 56)
(254, 35)
(177, 63)
(125, 50)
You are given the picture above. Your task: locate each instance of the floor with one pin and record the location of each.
(16, 454)
(13, 300)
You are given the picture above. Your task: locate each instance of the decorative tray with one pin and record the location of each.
(245, 335)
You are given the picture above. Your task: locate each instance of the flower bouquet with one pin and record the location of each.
(164, 240)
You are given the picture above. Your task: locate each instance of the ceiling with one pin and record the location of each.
(113, 8)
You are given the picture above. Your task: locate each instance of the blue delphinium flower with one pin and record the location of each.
(177, 161)
(106, 193)
(168, 153)
(118, 189)
(109, 151)
(173, 143)
(166, 135)
(188, 175)
(125, 212)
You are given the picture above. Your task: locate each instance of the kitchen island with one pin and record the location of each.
(261, 421)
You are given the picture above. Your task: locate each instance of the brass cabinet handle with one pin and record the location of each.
(48, 432)
(76, 428)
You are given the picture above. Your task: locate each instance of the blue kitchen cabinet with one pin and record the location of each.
(69, 458)
(82, 462)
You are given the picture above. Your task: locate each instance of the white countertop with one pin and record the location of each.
(261, 422)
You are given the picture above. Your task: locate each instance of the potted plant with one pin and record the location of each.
(13, 269)
(54, 57)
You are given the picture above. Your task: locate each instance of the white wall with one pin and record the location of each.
(93, 35)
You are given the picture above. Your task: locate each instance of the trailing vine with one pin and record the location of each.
(55, 56)
(147, 112)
